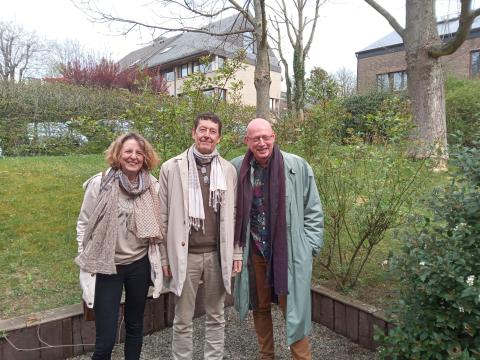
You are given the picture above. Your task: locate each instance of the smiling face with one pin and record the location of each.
(206, 136)
(260, 139)
(131, 158)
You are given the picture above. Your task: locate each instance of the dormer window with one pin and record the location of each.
(168, 48)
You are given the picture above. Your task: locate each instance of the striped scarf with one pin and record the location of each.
(218, 186)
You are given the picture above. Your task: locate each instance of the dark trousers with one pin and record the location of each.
(108, 292)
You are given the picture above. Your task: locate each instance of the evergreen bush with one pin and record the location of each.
(439, 308)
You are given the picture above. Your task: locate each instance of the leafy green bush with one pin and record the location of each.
(376, 117)
(323, 122)
(439, 309)
(462, 101)
(366, 191)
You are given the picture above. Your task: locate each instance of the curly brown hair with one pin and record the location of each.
(112, 154)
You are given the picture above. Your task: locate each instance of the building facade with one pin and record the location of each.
(179, 56)
(382, 66)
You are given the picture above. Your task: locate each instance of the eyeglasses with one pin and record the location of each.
(257, 139)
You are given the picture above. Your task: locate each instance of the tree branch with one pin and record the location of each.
(391, 20)
(318, 3)
(464, 25)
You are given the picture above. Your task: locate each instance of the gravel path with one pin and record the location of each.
(241, 342)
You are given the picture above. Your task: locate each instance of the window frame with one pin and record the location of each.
(475, 72)
(388, 81)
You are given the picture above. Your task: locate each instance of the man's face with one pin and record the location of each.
(260, 140)
(206, 136)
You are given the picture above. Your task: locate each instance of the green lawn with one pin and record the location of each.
(40, 200)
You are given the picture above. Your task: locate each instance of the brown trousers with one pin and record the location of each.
(262, 317)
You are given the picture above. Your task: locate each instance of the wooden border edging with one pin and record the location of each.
(348, 317)
(65, 325)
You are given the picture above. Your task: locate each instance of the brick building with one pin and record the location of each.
(382, 65)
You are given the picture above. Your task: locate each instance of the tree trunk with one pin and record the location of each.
(299, 78)
(262, 67)
(288, 82)
(425, 83)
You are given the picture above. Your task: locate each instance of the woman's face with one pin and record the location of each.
(131, 158)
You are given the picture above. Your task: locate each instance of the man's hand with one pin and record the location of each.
(237, 266)
(166, 271)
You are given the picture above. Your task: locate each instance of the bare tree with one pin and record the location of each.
(298, 25)
(18, 49)
(424, 48)
(64, 52)
(277, 40)
(346, 81)
(185, 13)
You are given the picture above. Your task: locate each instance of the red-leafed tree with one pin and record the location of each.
(106, 74)
(90, 72)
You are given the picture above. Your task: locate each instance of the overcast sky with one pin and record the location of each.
(344, 27)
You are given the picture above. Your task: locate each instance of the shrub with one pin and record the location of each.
(439, 308)
(463, 109)
(29, 108)
(366, 191)
(376, 117)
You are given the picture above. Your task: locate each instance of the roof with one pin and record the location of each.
(165, 51)
(446, 28)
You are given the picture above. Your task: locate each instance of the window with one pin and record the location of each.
(475, 63)
(273, 104)
(205, 68)
(184, 70)
(221, 93)
(382, 82)
(169, 75)
(399, 80)
(393, 81)
(220, 62)
(196, 67)
(208, 92)
(248, 43)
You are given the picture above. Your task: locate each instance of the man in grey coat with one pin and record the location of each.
(197, 199)
(279, 220)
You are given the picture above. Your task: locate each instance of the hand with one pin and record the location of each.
(237, 266)
(166, 271)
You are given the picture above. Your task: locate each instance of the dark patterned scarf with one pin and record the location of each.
(277, 221)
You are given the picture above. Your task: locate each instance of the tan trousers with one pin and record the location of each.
(262, 317)
(200, 266)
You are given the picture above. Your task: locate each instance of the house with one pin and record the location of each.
(178, 56)
(382, 65)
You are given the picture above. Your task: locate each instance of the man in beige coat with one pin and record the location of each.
(197, 196)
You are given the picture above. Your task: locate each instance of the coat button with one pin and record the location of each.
(183, 243)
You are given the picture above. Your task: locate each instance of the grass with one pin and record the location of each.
(41, 197)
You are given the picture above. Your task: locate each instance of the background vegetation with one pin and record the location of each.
(355, 145)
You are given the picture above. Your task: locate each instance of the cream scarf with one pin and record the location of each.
(101, 233)
(218, 186)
